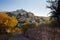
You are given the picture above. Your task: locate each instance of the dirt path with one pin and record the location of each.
(18, 37)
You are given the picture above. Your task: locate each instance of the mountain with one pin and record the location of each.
(22, 15)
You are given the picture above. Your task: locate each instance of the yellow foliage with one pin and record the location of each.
(14, 30)
(7, 20)
(9, 30)
(26, 22)
(18, 30)
(3, 17)
(35, 24)
(13, 21)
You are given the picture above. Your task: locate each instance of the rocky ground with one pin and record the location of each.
(18, 36)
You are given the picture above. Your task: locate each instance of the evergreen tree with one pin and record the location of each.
(55, 12)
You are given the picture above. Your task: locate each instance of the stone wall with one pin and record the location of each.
(44, 33)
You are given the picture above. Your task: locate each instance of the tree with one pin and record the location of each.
(55, 12)
(12, 21)
(7, 21)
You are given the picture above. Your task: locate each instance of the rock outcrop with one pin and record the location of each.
(22, 15)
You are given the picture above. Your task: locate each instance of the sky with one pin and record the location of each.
(38, 7)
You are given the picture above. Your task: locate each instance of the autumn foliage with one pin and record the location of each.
(7, 21)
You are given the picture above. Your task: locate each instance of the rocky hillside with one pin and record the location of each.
(23, 15)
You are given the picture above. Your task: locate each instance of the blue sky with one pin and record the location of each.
(38, 7)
